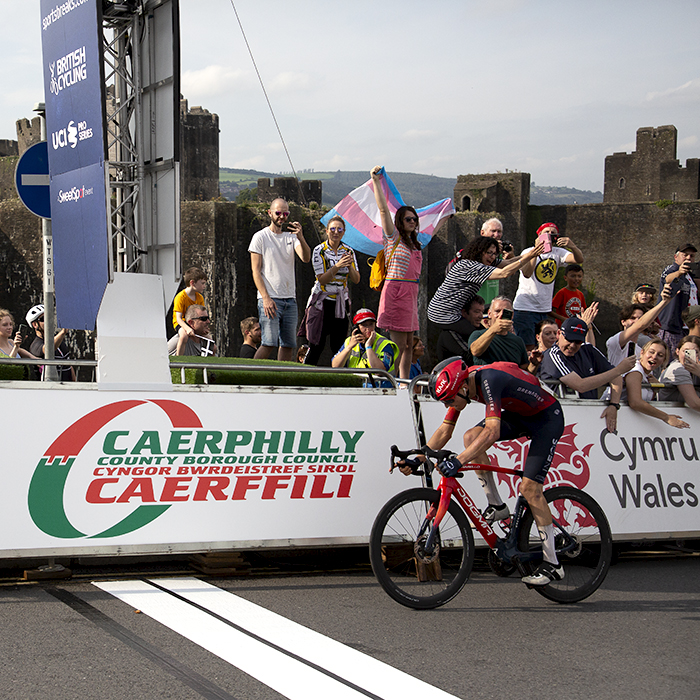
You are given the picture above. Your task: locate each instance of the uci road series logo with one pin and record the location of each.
(70, 135)
(157, 468)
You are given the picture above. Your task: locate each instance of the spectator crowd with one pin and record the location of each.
(655, 355)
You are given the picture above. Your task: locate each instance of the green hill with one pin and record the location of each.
(417, 190)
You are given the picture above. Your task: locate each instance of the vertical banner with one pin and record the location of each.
(74, 96)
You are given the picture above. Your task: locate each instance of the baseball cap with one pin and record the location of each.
(645, 285)
(364, 315)
(574, 329)
(549, 224)
(686, 246)
(693, 313)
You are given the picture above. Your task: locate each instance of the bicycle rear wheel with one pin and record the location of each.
(409, 575)
(586, 563)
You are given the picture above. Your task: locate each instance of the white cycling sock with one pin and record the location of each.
(549, 552)
(488, 483)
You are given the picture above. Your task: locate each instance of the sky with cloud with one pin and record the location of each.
(443, 88)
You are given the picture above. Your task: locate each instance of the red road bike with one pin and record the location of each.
(422, 545)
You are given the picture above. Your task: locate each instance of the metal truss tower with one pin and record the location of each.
(140, 40)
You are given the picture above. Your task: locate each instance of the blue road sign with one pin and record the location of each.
(32, 180)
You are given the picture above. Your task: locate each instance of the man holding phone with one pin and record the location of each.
(684, 278)
(498, 343)
(272, 252)
(533, 300)
(366, 348)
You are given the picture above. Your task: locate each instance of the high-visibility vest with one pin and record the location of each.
(381, 346)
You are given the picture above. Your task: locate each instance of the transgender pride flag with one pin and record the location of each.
(363, 226)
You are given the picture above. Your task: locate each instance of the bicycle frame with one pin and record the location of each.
(506, 549)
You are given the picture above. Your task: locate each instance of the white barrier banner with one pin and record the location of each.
(646, 478)
(123, 471)
(128, 472)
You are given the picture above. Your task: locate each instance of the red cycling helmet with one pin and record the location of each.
(447, 377)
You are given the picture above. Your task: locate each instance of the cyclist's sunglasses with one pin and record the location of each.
(461, 395)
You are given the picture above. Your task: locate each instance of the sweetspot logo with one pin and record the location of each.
(74, 194)
(157, 468)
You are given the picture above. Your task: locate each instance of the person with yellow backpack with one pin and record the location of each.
(398, 304)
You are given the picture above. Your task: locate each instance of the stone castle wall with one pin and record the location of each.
(651, 172)
(289, 188)
(623, 245)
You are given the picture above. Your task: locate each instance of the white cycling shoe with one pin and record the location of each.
(544, 574)
(493, 513)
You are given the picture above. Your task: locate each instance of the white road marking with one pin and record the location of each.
(288, 676)
(273, 668)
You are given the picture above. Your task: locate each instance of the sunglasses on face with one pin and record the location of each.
(461, 395)
(283, 214)
(201, 318)
(337, 230)
(410, 219)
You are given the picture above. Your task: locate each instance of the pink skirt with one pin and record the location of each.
(398, 306)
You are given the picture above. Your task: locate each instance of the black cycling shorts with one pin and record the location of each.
(544, 430)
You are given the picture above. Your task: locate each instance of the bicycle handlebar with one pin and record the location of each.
(438, 455)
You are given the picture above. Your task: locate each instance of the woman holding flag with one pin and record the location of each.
(398, 304)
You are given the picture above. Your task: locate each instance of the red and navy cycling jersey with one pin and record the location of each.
(503, 386)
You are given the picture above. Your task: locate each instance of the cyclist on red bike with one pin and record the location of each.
(516, 406)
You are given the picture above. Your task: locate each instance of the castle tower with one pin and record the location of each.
(652, 172)
(505, 193)
(199, 153)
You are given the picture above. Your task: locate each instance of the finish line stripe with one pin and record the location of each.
(275, 669)
(366, 675)
(361, 670)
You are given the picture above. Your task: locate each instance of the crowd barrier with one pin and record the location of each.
(204, 468)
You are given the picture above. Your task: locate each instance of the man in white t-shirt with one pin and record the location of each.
(533, 300)
(634, 318)
(272, 261)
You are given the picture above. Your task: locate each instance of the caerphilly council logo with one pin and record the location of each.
(46, 490)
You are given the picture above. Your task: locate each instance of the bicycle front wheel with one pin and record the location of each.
(585, 554)
(405, 571)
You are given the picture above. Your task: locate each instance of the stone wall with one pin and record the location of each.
(506, 193)
(8, 164)
(289, 188)
(28, 133)
(623, 245)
